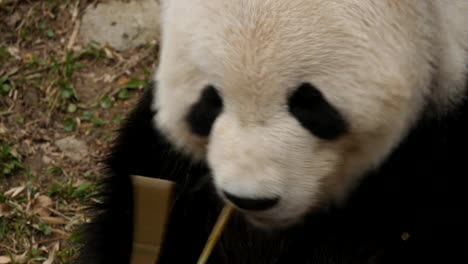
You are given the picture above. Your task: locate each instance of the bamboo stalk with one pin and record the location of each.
(215, 234)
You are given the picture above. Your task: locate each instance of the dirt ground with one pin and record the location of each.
(60, 103)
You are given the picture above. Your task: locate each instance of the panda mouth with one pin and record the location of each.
(265, 214)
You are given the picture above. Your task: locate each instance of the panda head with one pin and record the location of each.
(291, 102)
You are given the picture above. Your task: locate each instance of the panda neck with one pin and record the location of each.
(427, 156)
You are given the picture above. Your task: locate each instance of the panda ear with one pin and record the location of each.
(141, 149)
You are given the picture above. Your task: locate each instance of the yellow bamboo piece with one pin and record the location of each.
(215, 234)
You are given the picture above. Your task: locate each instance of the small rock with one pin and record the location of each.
(46, 160)
(121, 25)
(13, 20)
(73, 148)
(35, 161)
(41, 205)
(5, 259)
(3, 130)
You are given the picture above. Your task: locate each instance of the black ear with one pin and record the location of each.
(205, 111)
(315, 114)
(139, 149)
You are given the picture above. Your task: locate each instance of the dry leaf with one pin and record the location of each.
(51, 257)
(109, 53)
(3, 130)
(108, 78)
(16, 259)
(27, 57)
(50, 220)
(5, 210)
(78, 183)
(46, 160)
(41, 203)
(5, 260)
(123, 81)
(42, 212)
(21, 258)
(60, 232)
(13, 192)
(13, 19)
(405, 236)
(14, 51)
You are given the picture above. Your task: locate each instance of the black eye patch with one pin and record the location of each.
(315, 114)
(205, 111)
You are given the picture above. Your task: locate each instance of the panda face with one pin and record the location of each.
(289, 102)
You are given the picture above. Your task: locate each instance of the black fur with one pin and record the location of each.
(315, 114)
(418, 194)
(203, 113)
(138, 150)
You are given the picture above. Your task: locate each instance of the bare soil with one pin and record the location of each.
(53, 87)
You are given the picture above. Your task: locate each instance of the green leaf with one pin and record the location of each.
(3, 228)
(87, 115)
(105, 102)
(69, 65)
(21, 120)
(42, 24)
(67, 92)
(55, 189)
(5, 88)
(55, 170)
(69, 124)
(97, 121)
(117, 120)
(135, 84)
(76, 237)
(71, 108)
(123, 94)
(81, 191)
(50, 33)
(4, 54)
(6, 170)
(45, 229)
(3, 79)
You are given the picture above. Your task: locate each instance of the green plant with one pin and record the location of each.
(9, 161)
(5, 85)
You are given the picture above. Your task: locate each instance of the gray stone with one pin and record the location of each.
(121, 25)
(73, 148)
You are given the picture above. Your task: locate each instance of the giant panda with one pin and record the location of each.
(337, 129)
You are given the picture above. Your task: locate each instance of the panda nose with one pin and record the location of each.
(258, 204)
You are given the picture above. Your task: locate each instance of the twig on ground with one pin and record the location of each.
(59, 214)
(130, 65)
(76, 28)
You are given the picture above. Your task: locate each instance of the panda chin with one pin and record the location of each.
(272, 220)
(269, 223)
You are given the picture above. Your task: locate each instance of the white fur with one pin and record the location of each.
(378, 62)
